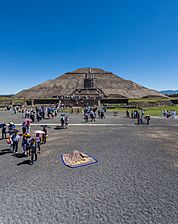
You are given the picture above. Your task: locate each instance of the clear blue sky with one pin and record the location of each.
(135, 39)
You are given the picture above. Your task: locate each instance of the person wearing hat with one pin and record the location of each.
(11, 127)
(28, 144)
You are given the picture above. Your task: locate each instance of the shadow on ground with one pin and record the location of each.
(18, 155)
(25, 162)
(5, 151)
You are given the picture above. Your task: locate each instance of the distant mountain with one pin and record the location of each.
(169, 92)
(7, 95)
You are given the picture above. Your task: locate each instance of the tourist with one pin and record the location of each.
(135, 114)
(43, 112)
(168, 114)
(86, 116)
(66, 121)
(62, 120)
(147, 119)
(132, 114)
(127, 114)
(15, 139)
(24, 128)
(11, 127)
(92, 115)
(28, 126)
(95, 109)
(38, 142)
(55, 112)
(38, 116)
(27, 113)
(14, 110)
(173, 114)
(52, 113)
(33, 151)
(32, 116)
(138, 118)
(165, 113)
(4, 131)
(141, 116)
(22, 113)
(28, 144)
(24, 144)
(102, 114)
(48, 113)
(44, 136)
(99, 113)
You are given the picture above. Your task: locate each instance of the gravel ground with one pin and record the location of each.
(134, 181)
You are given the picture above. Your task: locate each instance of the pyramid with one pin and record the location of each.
(89, 81)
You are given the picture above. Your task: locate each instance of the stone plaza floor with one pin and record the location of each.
(134, 181)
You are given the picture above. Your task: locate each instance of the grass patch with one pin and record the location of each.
(152, 111)
(148, 100)
(69, 110)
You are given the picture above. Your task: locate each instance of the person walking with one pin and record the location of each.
(99, 113)
(28, 144)
(62, 120)
(15, 140)
(44, 136)
(102, 114)
(4, 131)
(24, 144)
(28, 127)
(66, 121)
(92, 115)
(33, 147)
(24, 128)
(11, 127)
(38, 142)
(38, 117)
(147, 119)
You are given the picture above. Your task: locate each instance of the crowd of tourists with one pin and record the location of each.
(139, 115)
(169, 114)
(30, 145)
(64, 119)
(90, 113)
(38, 113)
(80, 97)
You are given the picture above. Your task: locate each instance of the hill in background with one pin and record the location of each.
(169, 92)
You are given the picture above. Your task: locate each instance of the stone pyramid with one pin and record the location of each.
(89, 81)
